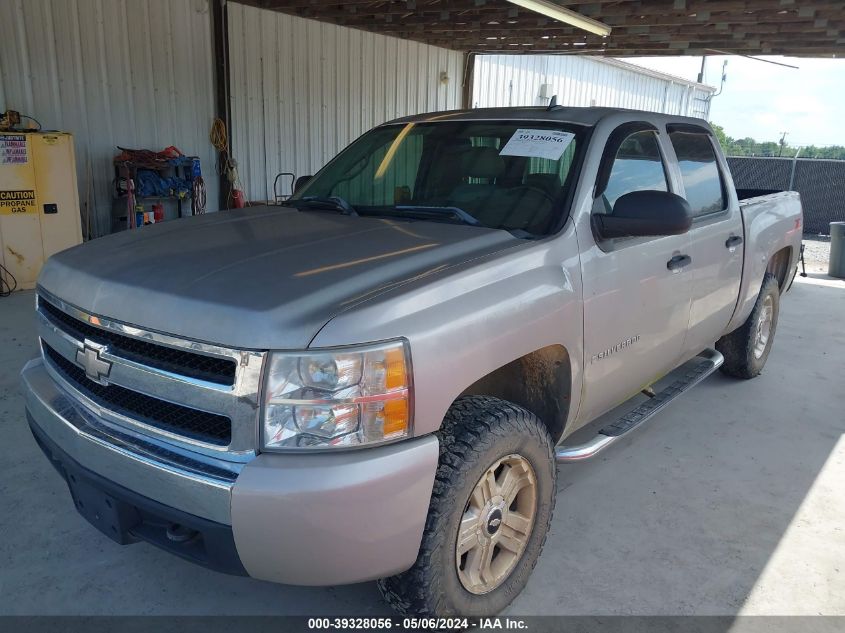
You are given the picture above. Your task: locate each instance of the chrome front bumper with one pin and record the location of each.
(161, 473)
(321, 519)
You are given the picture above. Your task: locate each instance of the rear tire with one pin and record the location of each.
(747, 348)
(495, 489)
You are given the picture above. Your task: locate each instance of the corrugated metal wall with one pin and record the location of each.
(302, 90)
(112, 72)
(515, 80)
(139, 73)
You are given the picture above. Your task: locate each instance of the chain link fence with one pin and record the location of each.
(820, 182)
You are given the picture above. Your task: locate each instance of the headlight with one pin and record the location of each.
(358, 395)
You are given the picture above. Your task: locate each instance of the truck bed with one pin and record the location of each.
(746, 194)
(772, 223)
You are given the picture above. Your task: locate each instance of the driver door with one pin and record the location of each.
(636, 304)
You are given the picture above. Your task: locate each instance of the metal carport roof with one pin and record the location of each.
(639, 27)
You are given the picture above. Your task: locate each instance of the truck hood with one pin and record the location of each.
(258, 278)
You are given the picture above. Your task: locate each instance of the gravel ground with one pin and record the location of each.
(816, 253)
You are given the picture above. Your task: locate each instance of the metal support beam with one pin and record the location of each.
(469, 73)
(220, 45)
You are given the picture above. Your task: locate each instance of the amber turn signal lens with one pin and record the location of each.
(395, 377)
(395, 414)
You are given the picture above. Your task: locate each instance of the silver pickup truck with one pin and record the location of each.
(377, 380)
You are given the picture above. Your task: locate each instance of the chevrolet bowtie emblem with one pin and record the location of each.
(95, 367)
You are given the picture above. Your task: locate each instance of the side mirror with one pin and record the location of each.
(301, 182)
(645, 213)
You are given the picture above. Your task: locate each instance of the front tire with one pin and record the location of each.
(747, 348)
(492, 503)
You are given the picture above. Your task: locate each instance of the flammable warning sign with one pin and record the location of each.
(13, 149)
(14, 202)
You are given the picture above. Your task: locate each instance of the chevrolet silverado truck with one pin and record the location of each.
(377, 380)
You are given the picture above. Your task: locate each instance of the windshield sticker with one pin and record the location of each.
(537, 144)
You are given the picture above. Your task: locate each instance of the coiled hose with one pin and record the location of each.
(8, 283)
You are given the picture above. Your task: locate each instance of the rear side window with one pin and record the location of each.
(638, 166)
(700, 173)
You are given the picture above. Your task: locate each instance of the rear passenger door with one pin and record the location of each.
(716, 235)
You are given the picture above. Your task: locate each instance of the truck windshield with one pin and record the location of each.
(502, 175)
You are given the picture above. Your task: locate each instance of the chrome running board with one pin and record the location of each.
(710, 361)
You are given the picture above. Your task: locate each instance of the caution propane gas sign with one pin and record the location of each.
(15, 202)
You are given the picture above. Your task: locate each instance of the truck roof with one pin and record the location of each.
(577, 116)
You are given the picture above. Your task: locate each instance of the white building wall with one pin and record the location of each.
(516, 80)
(134, 73)
(302, 90)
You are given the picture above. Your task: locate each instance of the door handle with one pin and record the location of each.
(733, 241)
(678, 262)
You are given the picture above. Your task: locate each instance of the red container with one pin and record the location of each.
(158, 212)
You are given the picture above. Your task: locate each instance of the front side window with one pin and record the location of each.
(699, 172)
(503, 175)
(637, 166)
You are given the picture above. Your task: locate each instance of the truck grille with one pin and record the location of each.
(197, 397)
(199, 425)
(216, 370)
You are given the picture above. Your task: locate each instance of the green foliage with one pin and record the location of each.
(749, 147)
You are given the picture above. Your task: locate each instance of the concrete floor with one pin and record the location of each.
(730, 502)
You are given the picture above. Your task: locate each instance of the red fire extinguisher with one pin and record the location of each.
(238, 199)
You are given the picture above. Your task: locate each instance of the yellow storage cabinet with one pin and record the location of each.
(39, 202)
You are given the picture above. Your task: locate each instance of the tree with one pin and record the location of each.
(750, 147)
(724, 139)
(770, 148)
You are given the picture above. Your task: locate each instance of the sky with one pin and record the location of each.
(763, 100)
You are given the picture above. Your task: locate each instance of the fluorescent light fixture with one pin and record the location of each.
(556, 12)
